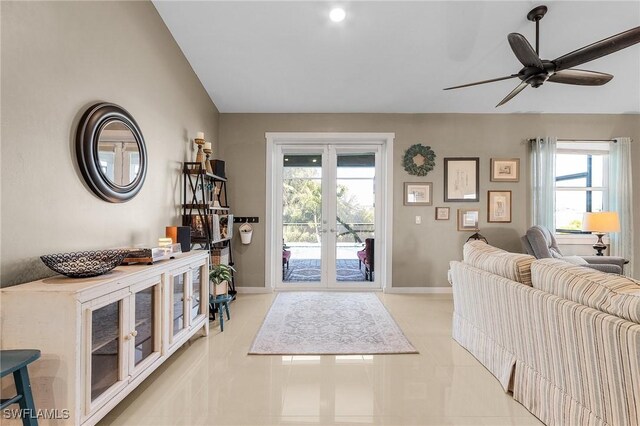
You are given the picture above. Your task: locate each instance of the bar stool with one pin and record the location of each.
(16, 362)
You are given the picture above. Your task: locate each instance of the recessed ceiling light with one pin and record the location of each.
(337, 14)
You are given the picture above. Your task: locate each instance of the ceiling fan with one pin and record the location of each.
(560, 70)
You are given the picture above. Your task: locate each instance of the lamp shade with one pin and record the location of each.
(601, 222)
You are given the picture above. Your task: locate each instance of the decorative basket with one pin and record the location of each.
(83, 264)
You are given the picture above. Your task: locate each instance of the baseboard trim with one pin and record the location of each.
(253, 290)
(389, 290)
(418, 290)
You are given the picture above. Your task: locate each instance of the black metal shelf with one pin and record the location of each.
(200, 190)
(204, 207)
(204, 240)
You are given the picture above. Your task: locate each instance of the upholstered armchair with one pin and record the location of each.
(365, 257)
(541, 243)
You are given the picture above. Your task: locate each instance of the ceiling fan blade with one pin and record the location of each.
(513, 93)
(580, 77)
(598, 49)
(523, 51)
(482, 82)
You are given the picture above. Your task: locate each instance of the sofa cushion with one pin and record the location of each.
(514, 266)
(614, 294)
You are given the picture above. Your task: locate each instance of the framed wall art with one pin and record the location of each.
(505, 170)
(468, 219)
(462, 179)
(499, 206)
(418, 193)
(442, 213)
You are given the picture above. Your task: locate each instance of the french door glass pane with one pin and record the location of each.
(302, 221)
(144, 323)
(178, 303)
(105, 348)
(355, 219)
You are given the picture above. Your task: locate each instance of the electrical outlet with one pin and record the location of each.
(418, 220)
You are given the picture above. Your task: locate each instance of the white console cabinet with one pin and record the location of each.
(100, 337)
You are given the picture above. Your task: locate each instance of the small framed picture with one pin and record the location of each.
(442, 213)
(418, 193)
(468, 219)
(499, 206)
(462, 179)
(505, 170)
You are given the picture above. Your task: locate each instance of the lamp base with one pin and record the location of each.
(599, 246)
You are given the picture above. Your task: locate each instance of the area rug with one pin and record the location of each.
(304, 270)
(329, 323)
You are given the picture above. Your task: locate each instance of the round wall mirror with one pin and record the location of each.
(111, 152)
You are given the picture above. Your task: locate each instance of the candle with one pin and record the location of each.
(164, 242)
(200, 135)
(207, 145)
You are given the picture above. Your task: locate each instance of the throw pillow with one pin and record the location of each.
(576, 260)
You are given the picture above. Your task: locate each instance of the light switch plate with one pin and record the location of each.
(418, 220)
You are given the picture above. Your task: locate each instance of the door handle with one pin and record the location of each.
(324, 231)
(332, 230)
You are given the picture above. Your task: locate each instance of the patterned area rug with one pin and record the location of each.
(329, 323)
(309, 270)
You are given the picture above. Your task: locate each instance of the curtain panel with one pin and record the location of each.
(543, 182)
(621, 200)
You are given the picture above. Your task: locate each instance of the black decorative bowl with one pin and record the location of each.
(83, 264)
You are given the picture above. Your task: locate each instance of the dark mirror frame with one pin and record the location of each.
(87, 137)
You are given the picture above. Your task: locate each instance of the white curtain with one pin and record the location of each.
(543, 182)
(621, 200)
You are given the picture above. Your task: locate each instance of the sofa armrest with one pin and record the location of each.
(608, 268)
(605, 260)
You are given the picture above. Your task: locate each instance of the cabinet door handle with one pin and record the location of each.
(134, 333)
(127, 336)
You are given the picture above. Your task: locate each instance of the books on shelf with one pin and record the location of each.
(220, 256)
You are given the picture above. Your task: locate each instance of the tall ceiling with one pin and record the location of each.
(280, 57)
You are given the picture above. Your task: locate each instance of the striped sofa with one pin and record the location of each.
(563, 339)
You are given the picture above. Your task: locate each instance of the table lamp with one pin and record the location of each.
(600, 223)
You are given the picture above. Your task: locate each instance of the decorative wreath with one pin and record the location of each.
(429, 160)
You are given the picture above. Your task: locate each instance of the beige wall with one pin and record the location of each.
(58, 58)
(420, 252)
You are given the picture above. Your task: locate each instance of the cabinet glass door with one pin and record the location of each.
(195, 299)
(178, 299)
(105, 348)
(146, 325)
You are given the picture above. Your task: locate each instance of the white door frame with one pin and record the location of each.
(273, 256)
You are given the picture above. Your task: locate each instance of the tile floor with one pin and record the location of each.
(214, 382)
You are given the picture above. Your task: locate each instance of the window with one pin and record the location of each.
(581, 182)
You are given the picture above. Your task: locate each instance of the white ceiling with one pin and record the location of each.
(396, 56)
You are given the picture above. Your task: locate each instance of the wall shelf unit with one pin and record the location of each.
(206, 210)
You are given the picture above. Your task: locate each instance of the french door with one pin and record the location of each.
(328, 212)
